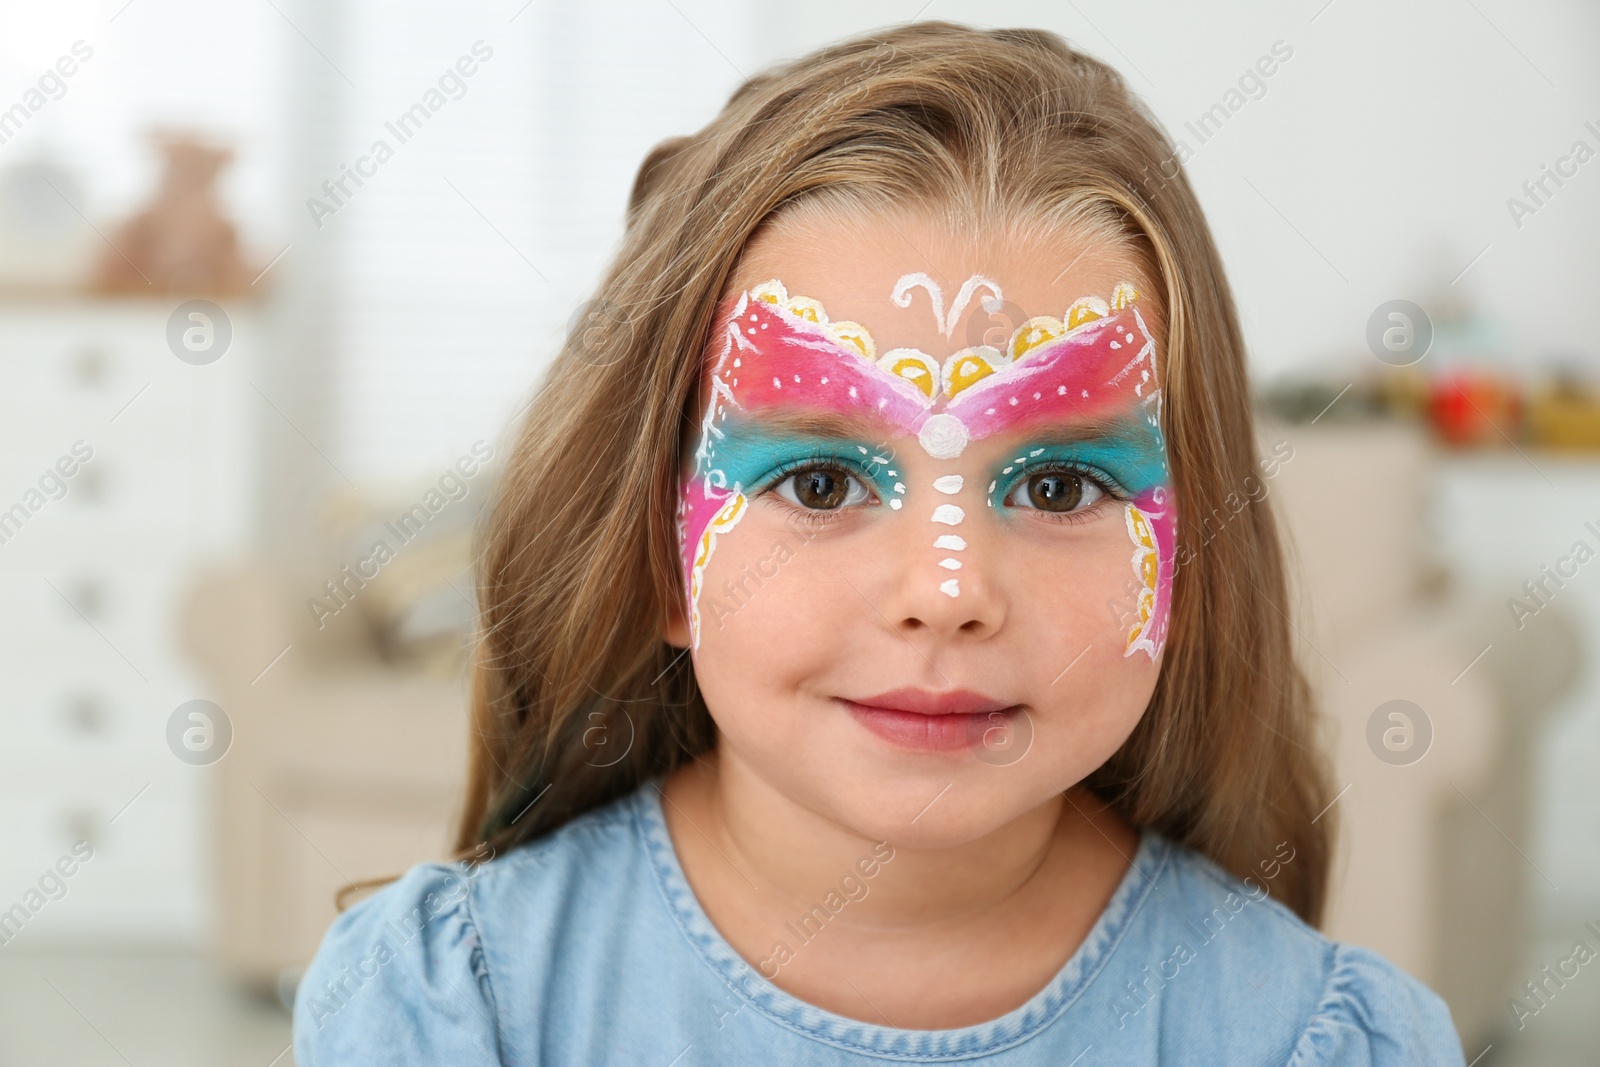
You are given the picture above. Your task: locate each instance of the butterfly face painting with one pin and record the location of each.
(1080, 388)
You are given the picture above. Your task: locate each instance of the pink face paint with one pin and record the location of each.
(767, 358)
(1103, 370)
(774, 352)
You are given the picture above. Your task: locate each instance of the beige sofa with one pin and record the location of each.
(1432, 865)
(342, 767)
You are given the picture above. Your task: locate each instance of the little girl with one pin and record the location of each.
(862, 677)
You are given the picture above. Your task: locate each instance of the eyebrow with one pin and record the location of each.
(817, 422)
(1068, 433)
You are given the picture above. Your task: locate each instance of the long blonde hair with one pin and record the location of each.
(576, 697)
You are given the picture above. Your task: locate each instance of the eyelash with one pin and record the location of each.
(1104, 482)
(820, 461)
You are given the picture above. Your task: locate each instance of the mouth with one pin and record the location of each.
(926, 721)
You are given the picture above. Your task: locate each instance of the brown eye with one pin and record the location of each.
(822, 489)
(1055, 491)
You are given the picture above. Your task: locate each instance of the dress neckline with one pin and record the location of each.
(854, 1035)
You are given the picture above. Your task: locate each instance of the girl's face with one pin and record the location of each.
(927, 529)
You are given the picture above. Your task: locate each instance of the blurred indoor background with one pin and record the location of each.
(240, 345)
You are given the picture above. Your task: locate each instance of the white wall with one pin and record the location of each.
(465, 257)
(1390, 140)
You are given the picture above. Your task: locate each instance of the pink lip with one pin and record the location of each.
(929, 702)
(927, 721)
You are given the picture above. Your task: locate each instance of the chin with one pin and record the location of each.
(926, 804)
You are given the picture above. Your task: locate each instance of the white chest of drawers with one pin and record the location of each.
(92, 570)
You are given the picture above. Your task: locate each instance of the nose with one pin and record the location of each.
(944, 583)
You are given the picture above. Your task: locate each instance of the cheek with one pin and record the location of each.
(768, 608)
(1074, 592)
(1090, 687)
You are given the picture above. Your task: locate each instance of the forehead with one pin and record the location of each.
(852, 263)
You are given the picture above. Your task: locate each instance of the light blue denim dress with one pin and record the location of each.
(588, 947)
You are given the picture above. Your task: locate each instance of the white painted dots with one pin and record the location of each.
(949, 515)
(943, 436)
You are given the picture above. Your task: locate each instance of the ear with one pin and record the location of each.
(675, 629)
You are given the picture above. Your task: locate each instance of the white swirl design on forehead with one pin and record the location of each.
(946, 324)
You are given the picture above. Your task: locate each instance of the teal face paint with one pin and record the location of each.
(1077, 393)
(754, 457)
(1127, 463)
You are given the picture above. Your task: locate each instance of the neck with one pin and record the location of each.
(790, 856)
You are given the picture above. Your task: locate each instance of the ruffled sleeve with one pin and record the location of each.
(400, 979)
(1372, 1014)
